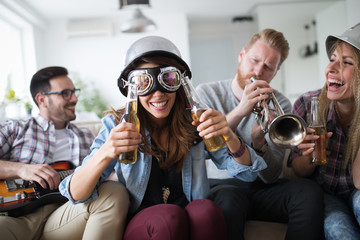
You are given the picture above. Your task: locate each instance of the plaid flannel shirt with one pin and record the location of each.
(33, 141)
(334, 177)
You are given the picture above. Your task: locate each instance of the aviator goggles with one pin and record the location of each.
(149, 80)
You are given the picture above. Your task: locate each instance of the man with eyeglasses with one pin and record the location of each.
(31, 149)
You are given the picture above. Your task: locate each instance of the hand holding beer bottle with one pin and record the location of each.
(130, 115)
(318, 156)
(197, 108)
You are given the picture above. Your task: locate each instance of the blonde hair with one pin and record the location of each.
(353, 140)
(274, 39)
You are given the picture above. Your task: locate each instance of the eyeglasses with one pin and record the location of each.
(66, 93)
(168, 79)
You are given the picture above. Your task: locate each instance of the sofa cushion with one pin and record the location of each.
(255, 230)
(94, 126)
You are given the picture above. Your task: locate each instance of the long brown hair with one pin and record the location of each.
(181, 132)
(353, 140)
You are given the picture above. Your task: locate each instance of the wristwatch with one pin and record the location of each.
(263, 148)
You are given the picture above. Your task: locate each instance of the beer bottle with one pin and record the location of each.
(318, 156)
(130, 115)
(197, 108)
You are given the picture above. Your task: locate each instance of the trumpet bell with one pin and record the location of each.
(287, 130)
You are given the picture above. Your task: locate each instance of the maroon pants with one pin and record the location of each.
(201, 219)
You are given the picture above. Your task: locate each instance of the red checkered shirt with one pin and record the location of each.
(334, 177)
(33, 141)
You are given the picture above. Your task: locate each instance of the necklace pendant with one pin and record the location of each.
(165, 194)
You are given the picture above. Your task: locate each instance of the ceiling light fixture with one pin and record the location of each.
(242, 19)
(138, 22)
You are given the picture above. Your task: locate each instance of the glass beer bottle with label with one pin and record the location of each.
(197, 108)
(130, 115)
(318, 156)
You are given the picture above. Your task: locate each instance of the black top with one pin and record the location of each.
(164, 186)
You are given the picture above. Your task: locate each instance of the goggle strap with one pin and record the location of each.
(125, 83)
(183, 75)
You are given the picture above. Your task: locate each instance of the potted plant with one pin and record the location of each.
(12, 106)
(28, 107)
(90, 99)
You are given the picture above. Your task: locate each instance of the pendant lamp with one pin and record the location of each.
(138, 22)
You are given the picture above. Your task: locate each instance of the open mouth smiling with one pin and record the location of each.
(159, 104)
(335, 83)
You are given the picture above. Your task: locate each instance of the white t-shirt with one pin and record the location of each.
(62, 146)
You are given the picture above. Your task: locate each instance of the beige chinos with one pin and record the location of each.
(103, 218)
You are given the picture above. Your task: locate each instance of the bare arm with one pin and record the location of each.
(235, 116)
(44, 174)
(301, 165)
(122, 138)
(213, 123)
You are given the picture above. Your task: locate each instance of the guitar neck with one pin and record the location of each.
(65, 173)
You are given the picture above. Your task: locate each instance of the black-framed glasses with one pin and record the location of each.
(66, 93)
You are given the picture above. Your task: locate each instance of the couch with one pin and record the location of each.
(94, 126)
(254, 230)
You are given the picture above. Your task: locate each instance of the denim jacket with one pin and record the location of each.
(194, 178)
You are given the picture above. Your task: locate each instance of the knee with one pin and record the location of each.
(113, 196)
(162, 221)
(232, 200)
(114, 190)
(307, 191)
(332, 225)
(205, 214)
(164, 216)
(228, 195)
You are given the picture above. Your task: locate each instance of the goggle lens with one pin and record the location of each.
(142, 81)
(169, 79)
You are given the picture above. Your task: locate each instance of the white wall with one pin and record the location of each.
(214, 48)
(329, 25)
(352, 12)
(99, 59)
(298, 74)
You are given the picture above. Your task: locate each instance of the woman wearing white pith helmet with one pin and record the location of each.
(168, 185)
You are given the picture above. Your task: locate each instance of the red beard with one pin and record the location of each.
(241, 79)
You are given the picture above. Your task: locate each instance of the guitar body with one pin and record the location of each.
(21, 197)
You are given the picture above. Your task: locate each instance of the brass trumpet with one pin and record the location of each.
(285, 130)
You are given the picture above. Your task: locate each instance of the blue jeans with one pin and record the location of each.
(342, 218)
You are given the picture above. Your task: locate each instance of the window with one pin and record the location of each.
(12, 69)
(17, 58)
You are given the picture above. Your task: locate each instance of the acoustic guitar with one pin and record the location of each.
(20, 197)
